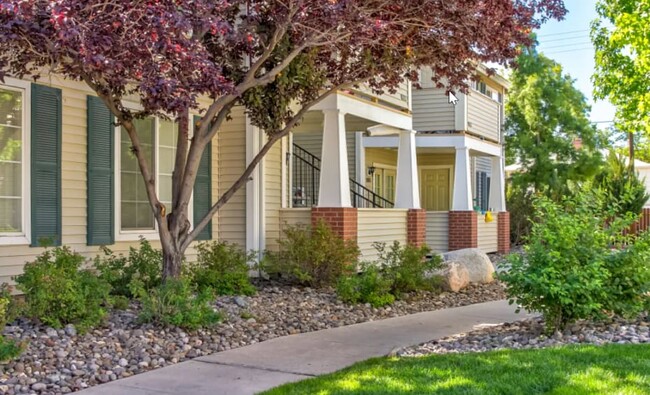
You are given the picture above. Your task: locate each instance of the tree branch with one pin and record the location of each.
(241, 181)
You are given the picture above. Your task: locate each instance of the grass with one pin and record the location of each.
(575, 370)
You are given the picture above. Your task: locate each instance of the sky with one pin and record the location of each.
(568, 43)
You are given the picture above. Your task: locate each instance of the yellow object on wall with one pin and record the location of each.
(488, 216)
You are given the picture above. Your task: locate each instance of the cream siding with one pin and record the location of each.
(231, 161)
(487, 234)
(228, 154)
(73, 189)
(437, 237)
(273, 194)
(295, 217)
(483, 116)
(399, 98)
(382, 226)
(432, 111)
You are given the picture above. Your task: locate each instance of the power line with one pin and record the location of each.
(565, 39)
(568, 50)
(565, 45)
(560, 33)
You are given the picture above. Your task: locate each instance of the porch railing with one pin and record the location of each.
(306, 179)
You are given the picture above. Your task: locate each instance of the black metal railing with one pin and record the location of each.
(306, 180)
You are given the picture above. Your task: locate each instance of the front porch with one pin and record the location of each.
(378, 182)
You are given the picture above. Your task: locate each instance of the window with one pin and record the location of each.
(482, 200)
(12, 162)
(158, 140)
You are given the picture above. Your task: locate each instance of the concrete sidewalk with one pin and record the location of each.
(262, 366)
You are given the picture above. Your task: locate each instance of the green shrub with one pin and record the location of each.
(9, 349)
(10, 307)
(520, 206)
(143, 263)
(623, 190)
(58, 292)
(398, 270)
(368, 286)
(224, 268)
(629, 278)
(119, 302)
(407, 267)
(315, 257)
(176, 302)
(572, 268)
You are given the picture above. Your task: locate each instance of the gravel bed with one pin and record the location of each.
(529, 334)
(63, 361)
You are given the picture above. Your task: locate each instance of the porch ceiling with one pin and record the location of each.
(313, 122)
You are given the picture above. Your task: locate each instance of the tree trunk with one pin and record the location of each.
(172, 263)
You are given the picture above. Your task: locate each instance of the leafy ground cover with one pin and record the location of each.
(611, 369)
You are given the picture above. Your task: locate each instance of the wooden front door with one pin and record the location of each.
(435, 189)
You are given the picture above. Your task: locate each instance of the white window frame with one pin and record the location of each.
(24, 237)
(149, 234)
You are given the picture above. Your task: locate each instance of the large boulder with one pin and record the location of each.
(454, 276)
(476, 262)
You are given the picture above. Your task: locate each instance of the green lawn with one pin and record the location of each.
(613, 369)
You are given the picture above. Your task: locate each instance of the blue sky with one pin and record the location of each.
(568, 43)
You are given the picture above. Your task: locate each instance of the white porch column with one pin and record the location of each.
(497, 185)
(407, 185)
(462, 182)
(334, 190)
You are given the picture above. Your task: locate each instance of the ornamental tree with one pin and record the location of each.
(545, 115)
(622, 41)
(275, 58)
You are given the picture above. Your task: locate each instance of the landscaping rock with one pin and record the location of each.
(124, 347)
(477, 263)
(455, 276)
(527, 334)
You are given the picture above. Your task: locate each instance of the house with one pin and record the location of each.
(67, 176)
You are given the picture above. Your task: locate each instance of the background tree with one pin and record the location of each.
(548, 133)
(620, 36)
(275, 57)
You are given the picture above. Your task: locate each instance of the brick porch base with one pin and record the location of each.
(503, 233)
(343, 221)
(463, 230)
(416, 227)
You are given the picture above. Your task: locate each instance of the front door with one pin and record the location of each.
(435, 189)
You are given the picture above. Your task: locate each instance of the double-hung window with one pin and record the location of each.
(14, 164)
(158, 139)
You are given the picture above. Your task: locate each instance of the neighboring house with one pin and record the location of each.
(67, 176)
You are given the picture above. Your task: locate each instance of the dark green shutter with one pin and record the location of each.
(46, 165)
(101, 175)
(203, 190)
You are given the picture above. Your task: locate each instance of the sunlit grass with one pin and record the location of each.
(576, 370)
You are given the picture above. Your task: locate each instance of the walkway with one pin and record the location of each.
(261, 366)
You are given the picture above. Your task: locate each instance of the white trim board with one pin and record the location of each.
(436, 141)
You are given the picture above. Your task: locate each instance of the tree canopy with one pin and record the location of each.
(546, 117)
(622, 40)
(275, 57)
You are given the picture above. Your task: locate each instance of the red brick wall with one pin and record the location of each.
(463, 230)
(503, 233)
(342, 220)
(416, 227)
